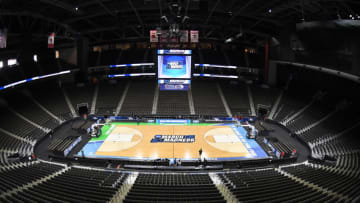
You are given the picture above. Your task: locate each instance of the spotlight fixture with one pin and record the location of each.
(229, 40)
(239, 35)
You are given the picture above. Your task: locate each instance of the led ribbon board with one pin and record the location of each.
(132, 65)
(174, 85)
(182, 82)
(215, 66)
(132, 75)
(34, 78)
(174, 52)
(214, 76)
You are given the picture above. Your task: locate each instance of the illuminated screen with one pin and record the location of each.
(174, 66)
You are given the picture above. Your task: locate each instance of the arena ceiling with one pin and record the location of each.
(130, 20)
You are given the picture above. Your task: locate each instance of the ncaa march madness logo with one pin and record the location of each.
(174, 65)
(173, 139)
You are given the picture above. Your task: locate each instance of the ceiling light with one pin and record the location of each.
(239, 35)
(229, 40)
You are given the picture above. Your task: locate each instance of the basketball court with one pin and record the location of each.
(149, 141)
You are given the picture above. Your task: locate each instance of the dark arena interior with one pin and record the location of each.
(179, 101)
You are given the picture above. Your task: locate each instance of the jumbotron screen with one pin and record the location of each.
(174, 64)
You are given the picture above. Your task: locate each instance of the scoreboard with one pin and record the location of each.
(174, 64)
(174, 69)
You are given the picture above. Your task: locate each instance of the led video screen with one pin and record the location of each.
(174, 66)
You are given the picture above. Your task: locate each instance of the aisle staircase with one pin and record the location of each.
(120, 195)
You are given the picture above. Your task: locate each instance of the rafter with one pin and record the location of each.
(63, 5)
(121, 19)
(136, 12)
(106, 8)
(38, 16)
(212, 11)
(203, 26)
(239, 11)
